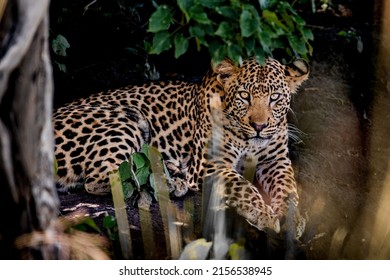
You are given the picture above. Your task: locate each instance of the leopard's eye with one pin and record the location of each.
(244, 95)
(275, 96)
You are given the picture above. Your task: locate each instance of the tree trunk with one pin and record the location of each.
(28, 198)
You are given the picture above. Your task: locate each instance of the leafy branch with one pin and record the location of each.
(229, 28)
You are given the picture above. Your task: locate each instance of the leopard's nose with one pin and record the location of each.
(258, 126)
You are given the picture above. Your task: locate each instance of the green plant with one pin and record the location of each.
(135, 176)
(351, 36)
(59, 46)
(111, 226)
(140, 180)
(229, 28)
(87, 223)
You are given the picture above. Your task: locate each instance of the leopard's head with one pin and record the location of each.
(256, 98)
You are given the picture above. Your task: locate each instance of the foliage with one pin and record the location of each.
(200, 249)
(86, 224)
(351, 36)
(235, 29)
(140, 180)
(135, 176)
(59, 46)
(111, 226)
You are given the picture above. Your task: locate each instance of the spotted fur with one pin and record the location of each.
(234, 115)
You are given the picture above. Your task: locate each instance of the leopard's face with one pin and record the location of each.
(256, 98)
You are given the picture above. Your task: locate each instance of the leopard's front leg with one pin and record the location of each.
(243, 196)
(277, 180)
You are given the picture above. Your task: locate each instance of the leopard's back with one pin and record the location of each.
(95, 135)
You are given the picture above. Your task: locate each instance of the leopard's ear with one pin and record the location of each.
(296, 73)
(225, 70)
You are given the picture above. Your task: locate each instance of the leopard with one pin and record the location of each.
(236, 113)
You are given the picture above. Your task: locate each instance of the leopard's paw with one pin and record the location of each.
(265, 220)
(178, 186)
(263, 217)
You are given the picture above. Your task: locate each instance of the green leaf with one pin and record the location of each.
(264, 36)
(286, 6)
(161, 42)
(209, 29)
(224, 30)
(249, 21)
(267, 30)
(343, 33)
(147, 46)
(264, 4)
(139, 160)
(234, 53)
(310, 49)
(128, 190)
(278, 43)
(198, 14)
(210, 3)
(246, 24)
(61, 66)
(181, 45)
(161, 19)
(81, 227)
(307, 34)
(227, 12)
(59, 45)
(298, 20)
(259, 55)
(289, 51)
(89, 222)
(109, 222)
(145, 150)
(218, 51)
(125, 171)
(143, 175)
(237, 251)
(198, 249)
(287, 19)
(297, 44)
(111, 226)
(184, 6)
(249, 44)
(272, 18)
(235, 3)
(199, 34)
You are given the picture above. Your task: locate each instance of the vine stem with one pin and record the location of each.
(134, 175)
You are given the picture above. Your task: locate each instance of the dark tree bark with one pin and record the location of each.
(28, 198)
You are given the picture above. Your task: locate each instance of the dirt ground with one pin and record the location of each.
(330, 160)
